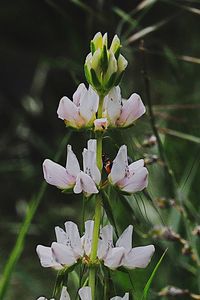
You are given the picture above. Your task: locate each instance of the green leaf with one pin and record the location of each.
(95, 81)
(149, 282)
(104, 59)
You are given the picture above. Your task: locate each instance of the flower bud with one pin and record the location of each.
(104, 67)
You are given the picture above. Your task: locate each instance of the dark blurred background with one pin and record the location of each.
(43, 45)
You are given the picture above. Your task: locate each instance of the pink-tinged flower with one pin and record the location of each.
(128, 178)
(81, 112)
(84, 293)
(121, 112)
(100, 124)
(71, 177)
(122, 254)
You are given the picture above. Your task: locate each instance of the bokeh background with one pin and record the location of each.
(43, 47)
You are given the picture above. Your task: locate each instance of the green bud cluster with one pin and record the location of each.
(104, 67)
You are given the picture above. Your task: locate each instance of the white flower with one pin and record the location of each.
(84, 293)
(122, 254)
(100, 124)
(81, 112)
(121, 112)
(66, 251)
(71, 176)
(128, 178)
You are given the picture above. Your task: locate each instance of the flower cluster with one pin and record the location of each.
(97, 108)
(82, 111)
(71, 248)
(84, 293)
(127, 178)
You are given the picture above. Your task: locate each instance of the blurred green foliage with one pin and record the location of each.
(43, 47)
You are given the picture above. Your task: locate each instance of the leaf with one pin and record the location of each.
(149, 282)
(19, 244)
(140, 34)
(180, 135)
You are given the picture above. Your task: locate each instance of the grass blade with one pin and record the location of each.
(181, 135)
(149, 282)
(19, 245)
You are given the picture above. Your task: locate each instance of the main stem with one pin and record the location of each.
(97, 216)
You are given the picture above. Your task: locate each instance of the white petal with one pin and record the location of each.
(69, 112)
(56, 175)
(126, 297)
(61, 235)
(139, 257)
(78, 93)
(100, 124)
(64, 294)
(114, 257)
(85, 293)
(92, 145)
(87, 238)
(136, 182)
(89, 105)
(42, 298)
(74, 239)
(63, 254)
(85, 183)
(136, 165)
(120, 164)
(46, 257)
(106, 241)
(113, 105)
(125, 240)
(72, 164)
(90, 166)
(132, 109)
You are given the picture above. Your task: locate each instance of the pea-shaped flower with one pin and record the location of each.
(122, 254)
(121, 112)
(128, 178)
(81, 112)
(71, 176)
(84, 293)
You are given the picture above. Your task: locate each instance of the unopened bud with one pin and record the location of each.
(104, 67)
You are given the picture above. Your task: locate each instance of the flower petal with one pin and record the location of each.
(55, 174)
(88, 106)
(69, 112)
(132, 109)
(138, 257)
(72, 164)
(126, 297)
(136, 165)
(78, 94)
(87, 237)
(85, 183)
(85, 293)
(136, 182)
(106, 241)
(90, 166)
(120, 164)
(63, 254)
(114, 257)
(101, 124)
(73, 238)
(64, 294)
(113, 105)
(46, 257)
(125, 240)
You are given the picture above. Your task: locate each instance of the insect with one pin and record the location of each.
(107, 163)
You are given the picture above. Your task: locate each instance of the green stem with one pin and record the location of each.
(97, 217)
